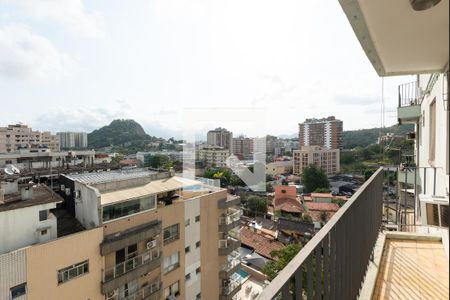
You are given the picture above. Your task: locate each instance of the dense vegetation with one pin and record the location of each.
(126, 133)
(283, 257)
(314, 179)
(366, 137)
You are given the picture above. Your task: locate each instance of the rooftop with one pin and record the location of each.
(41, 194)
(261, 244)
(116, 175)
(322, 206)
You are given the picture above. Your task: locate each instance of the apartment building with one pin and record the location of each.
(325, 132)
(326, 159)
(360, 257)
(220, 137)
(133, 234)
(242, 147)
(73, 140)
(20, 136)
(212, 156)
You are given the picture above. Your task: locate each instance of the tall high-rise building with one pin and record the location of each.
(326, 132)
(128, 234)
(242, 147)
(71, 140)
(219, 137)
(19, 136)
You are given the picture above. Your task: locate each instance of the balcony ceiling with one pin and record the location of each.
(399, 40)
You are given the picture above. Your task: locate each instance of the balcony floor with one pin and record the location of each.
(412, 269)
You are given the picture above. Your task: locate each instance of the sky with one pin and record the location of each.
(73, 65)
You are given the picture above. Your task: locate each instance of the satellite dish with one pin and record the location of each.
(11, 170)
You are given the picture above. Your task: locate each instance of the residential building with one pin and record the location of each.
(212, 156)
(361, 256)
(220, 137)
(326, 159)
(19, 136)
(279, 167)
(73, 140)
(125, 234)
(326, 132)
(242, 147)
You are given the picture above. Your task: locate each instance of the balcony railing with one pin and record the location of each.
(232, 216)
(227, 246)
(409, 102)
(233, 260)
(332, 265)
(130, 264)
(233, 284)
(148, 292)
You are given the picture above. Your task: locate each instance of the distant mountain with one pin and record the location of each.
(119, 132)
(365, 137)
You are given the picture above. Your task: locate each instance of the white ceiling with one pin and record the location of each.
(399, 40)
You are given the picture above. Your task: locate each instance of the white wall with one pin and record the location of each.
(13, 272)
(87, 205)
(192, 235)
(25, 225)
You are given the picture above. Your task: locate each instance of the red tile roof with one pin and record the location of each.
(288, 205)
(321, 195)
(322, 206)
(262, 244)
(316, 215)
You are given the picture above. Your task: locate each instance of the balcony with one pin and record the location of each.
(116, 241)
(408, 110)
(230, 220)
(149, 292)
(407, 176)
(226, 246)
(231, 288)
(130, 269)
(233, 262)
(351, 258)
(232, 200)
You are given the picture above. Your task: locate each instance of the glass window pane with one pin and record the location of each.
(432, 214)
(444, 215)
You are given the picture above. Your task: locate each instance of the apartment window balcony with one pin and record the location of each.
(130, 269)
(233, 262)
(230, 287)
(149, 292)
(408, 110)
(226, 246)
(230, 220)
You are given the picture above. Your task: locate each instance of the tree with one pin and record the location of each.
(322, 190)
(256, 206)
(314, 178)
(284, 256)
(269, 187)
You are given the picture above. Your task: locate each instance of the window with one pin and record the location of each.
(197, 270)
(197, 218)
(73, 271)
(198, 297)
(44, 232)
(172, 291)
(118, 210)
(432, 148)
(187, 277)
(171, 233)
(43, 215)
(18, 290)
(444, 215)
(171, 262)
(187, 249)
(187, 222)
(197, 244)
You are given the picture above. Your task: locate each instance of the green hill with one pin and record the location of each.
(365, 137)
(119, 133)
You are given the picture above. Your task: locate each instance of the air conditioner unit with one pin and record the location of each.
(111, 295)
(151, 244)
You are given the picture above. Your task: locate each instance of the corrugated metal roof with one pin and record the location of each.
(109, 176)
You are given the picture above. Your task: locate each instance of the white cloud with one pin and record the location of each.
(25, 55)
(70, 13)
